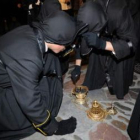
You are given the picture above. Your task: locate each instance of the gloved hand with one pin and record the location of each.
(58, 128)
(66, 126)
(75, 74)
(94, 41)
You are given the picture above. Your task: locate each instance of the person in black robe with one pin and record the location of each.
(112, 58)
(48, 7)
(94, 16)
(30, 78)
(134, 123)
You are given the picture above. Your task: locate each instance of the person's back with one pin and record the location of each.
(112, 57)
(26, 103)
(15, 46)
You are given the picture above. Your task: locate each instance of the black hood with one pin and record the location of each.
(48, 7)
(58, 28)
(92, 14)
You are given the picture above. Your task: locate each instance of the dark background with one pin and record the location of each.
(12, 16)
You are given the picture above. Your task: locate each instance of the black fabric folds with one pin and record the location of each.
(119, 31)
(58, 28)
(48, 7)
(92, 14)
(84, 47)
(134, 123)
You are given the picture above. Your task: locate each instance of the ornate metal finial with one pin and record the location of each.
(96, 113)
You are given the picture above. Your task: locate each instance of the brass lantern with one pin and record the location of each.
(96, 113)
(80, 93)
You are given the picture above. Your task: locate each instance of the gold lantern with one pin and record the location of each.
(96, 113)
(80, 93)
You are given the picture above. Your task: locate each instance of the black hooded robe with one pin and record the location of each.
(119, 66)
(49, 7)
(22, 100)
(134, 123)
(28, 95)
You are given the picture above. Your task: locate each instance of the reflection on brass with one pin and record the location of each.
(68, 52)
(80, 93)
(111, 110)
(96, 113)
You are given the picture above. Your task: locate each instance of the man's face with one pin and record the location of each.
(55, 47)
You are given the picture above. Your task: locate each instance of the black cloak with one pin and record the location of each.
(48, 7)
(133, 6)
(24, 99)
(93, 15)
(119, 66)
(134, 123)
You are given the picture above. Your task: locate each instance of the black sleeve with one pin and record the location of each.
(125, 42)
(24, 76)
(77, 53)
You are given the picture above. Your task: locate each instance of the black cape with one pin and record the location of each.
(26, 89)
(120, 30)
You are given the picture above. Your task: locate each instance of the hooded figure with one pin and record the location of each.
(93, 15)
(112, 58)
(116, 69)
(49, 7)
(30, 78)
(49, 25)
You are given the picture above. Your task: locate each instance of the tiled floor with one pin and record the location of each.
(111, 128)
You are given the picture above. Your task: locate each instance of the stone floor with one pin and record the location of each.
(111, 128)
